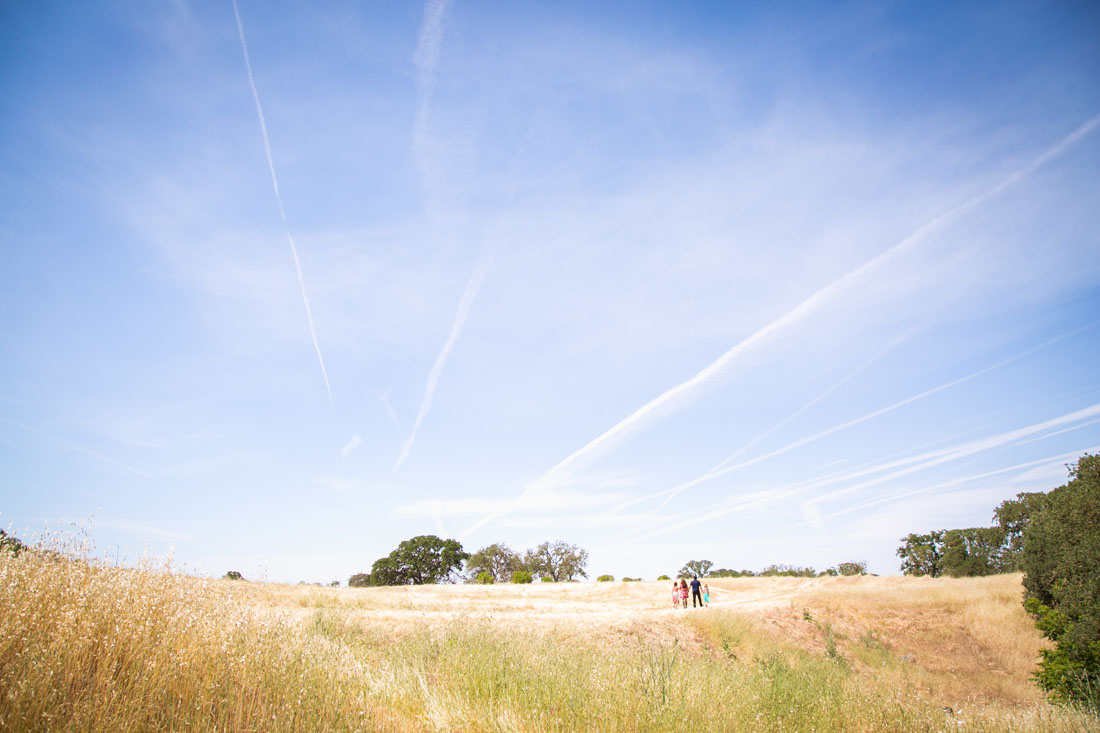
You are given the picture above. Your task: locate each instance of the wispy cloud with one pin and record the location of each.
(279, 201)
(548, 501)
(468, 295)
(81, 449)
(142, 530)
(351, 446)
(384, 396)
(692, 389)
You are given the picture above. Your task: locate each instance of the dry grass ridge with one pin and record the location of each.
(85, 646)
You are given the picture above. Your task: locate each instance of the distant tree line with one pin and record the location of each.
(1054, 539)
(702, 569)
(975, 550)
(430, 559)
(550, 561)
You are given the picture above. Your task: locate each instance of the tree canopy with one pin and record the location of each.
(922, 554)
(418, 561)
(559, 561)
(699, 568)
(1061, 564)
(497, 559)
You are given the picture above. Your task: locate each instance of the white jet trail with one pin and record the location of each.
(923, 461)
(384, 396)
(82, 449)
(717, 472)
(353, 443)
(279, 200)
(689, 390)
(468, 295)
(1069, 455)
(675, 491)
(425, 59)
(812, 402)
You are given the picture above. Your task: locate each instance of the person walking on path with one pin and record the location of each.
(706, 594)
(675, 594)
(683, 593)
(696, 592)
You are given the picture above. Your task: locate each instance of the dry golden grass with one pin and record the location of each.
(86, 647)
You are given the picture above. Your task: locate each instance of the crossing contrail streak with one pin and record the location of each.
(279, 200)
(1069, 455)
(915, 464)
(690, 389)
(717, 472)
(81, 449)
(468, 295)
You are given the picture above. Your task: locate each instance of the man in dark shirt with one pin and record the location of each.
(695, 592)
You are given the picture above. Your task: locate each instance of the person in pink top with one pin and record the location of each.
(683, 593)
(675, 594)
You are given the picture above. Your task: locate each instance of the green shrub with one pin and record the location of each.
(359, 580)
(663, 577)
(546, 579)
(521, 576)
(852, 568)
(605, 578)
(485, 578)
(233, 575)
(632, 580)
(10, 543)
(1061, 564)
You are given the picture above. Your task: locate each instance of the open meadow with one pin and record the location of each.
(91, 647)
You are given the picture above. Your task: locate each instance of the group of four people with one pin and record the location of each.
(699, 592)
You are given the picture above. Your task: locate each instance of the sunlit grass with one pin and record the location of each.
(91, 647)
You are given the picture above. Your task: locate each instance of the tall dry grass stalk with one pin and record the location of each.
(85, 646)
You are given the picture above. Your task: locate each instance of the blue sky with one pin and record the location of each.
(754, 283)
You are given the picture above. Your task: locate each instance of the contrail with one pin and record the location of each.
(425, 59)
(353, 443)
(463, 312)
(279, 200)
(675, 491)
(689, 390)
(924, 461)
(82, 449)
(385, 397)
(717, 472)
(954, 482)
(812, 402)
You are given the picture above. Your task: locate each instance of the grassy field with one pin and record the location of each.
(90, 647)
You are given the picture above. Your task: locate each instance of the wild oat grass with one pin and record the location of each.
(85, 646)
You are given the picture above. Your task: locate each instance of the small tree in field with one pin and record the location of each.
(852, 568)
(696, 567)
(521, 576)
(558, 561)
(420, 560)
(497, 559)
(605, 578)
(359, 580)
